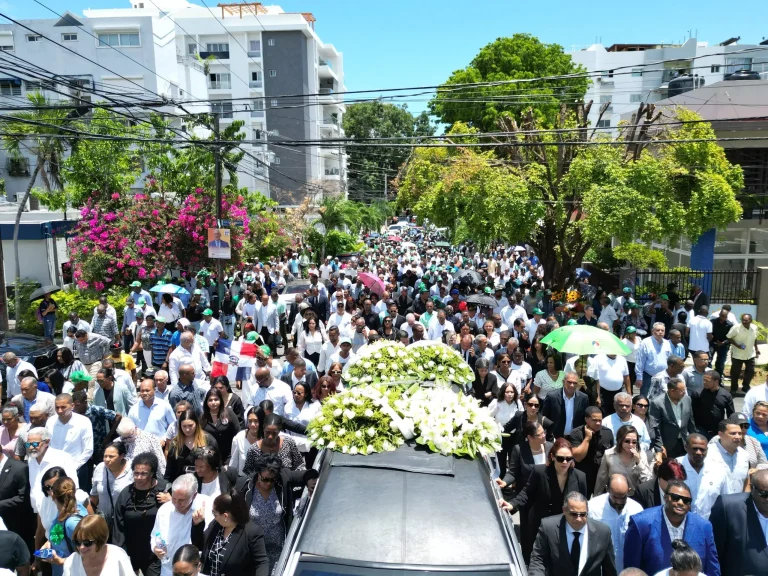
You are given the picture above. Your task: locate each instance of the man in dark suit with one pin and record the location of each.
(737, 521)
(699, 298)
(566, 407)
(15, 508)
(397, 319)
(318, 303)
(674, 414)
(467, 350)
(300, 374)
(404, 301)
(572, 545)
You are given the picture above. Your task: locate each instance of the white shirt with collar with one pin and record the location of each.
(14, 384)
(175, 529)
(583, 541)
(569, 407)
(181, 355)
(693, 479)
(674, 533)
(75, 437)
(278, 392)
(600, 509)
(722, 474)
(51, 458)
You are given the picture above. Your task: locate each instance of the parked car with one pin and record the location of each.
(403, 512)
(28, 347)
(288, 295)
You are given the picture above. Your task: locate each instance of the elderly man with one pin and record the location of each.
(37, 419)
(31, 396)
(622, 416)
(104, 324)
(188, 354)
(91, 349)
(72, 433)
(614, 509)
(162, 387)
(138, 441)
(269, 388)
(151, 414)
(41, 458)
(187, 389)
(651, 357)
(175, 519)
(14, 367)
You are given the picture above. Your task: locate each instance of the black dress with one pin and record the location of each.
(181, 464)
(135, 512)
(224, 433)
(481, 387)
(236, 404)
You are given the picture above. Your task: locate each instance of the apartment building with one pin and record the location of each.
(633, 73)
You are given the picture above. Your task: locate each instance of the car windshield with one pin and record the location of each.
(329, 568)
(295, 288)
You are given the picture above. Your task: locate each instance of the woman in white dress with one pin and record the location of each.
(93, 556)
(244, 439)
(301, 410)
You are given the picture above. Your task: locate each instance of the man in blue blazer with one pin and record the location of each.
(648, 542)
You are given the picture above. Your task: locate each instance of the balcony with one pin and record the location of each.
(220, 85)
(223, 55)
(254, 53)
(257, 113)
(324, 70)
(256, 84)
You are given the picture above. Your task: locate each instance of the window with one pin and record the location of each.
(218, 47)
(607, 100)
(254, 48)
(222, 108)
(219, 81)
(275, 132)
(256, 76)
(635, 97)
(18, 166)
(734, 64)
(6, 48)
(34, 38)
(637, 72)
(121, 39)
(273, 103)
(272, 73)
(603, 123)
(276, 160)
(714, 69)
(10, 88)
(69, 37)
(191, 49)
(33, 85)
(258, 104)
(606, 74)
(271, 42)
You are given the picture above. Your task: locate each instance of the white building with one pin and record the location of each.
(635, 73)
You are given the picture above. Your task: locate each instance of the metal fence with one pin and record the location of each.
(722, 286)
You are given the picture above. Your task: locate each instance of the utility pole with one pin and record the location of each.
(217, 177)
(385, 187)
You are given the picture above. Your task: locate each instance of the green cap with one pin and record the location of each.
(251, 337)
(198, 291)
(160, 319)
(487, 290)
(630, 330)
(266, 349)
(664, 297)
(538, 311)
(627, 290)
(142, 301)
(207, 312)
(79, 376)
(136, 284)
(571, 322)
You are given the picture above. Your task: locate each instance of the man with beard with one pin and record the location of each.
(614, 509)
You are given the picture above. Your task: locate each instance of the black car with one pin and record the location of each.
(407, 513)
(27, 347)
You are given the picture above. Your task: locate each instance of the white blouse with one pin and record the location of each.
(309, 343)
(504, 411)
(240, 446)
(117, 563)
(103, 476)
(303, 416)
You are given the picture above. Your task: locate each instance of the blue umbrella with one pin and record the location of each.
(581, 273)
(169, 289)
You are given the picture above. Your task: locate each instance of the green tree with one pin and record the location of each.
(42, 134)
(565, 193)
(367, 168)
(522, 57)
(334, 213)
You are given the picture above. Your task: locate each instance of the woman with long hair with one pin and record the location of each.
(244, 439)
(276, 444)
(551, 378)
(627, 459)
(69, 514)
(311, 338)
(190, 435)
(490, 332)
(641, 409)
(325, 386)
(219, 421)
(233, 545)
(537, 356)
(547, 486)
(486, 386)
(233, 401)
(300, 410)
(503, 408)
(48, 509)
(387, 330)
(93, 556)
(135, 511)
(110, 477)
(504, 372)
(66, 363)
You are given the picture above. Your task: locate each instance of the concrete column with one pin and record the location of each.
(762, 296)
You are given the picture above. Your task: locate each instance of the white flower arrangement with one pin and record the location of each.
(441, 363)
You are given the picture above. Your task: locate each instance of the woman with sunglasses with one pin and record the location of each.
(9, 431)
(486, 386)
(232, 545)
(109, 479)
(531, 412)
(269, 494)
(135, 511)
(311, 338)
(274, 442)
(219, 421)
(221, 383)
(329, 384)
(388, 330)
(641, 409)
(244, 439)
(69, 514)
(551, 378)
(504, 372)
(627, 459)
(190, 435)
(544, 492)
(93, 556)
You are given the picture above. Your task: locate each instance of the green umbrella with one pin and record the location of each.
(585, 340)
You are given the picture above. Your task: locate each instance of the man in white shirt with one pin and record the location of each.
(330, 347)
(693, 462)
(726, 466)
(188, 353)
(533, 324)
(437, 325)
(174, 519)
(162, 387)
(611, 375)
(614, 508)
(269, 388)
(512, 311)
(340, 318)
(744, 350)
(211, 329)
(152, 414)
(31, 396)
(71, 433)
(77, 322)
(41, 457)
(326, 269)
(267, 321)
(622, 404)
(14, 366)
(700, 331)
(344, 353)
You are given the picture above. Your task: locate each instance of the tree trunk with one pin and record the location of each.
(19, 212)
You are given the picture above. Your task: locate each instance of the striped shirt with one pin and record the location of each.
(161, 343)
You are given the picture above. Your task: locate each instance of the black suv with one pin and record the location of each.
(27, 347)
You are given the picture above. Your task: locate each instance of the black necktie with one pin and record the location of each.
(576, 550)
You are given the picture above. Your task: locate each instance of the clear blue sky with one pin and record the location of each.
(420, 42)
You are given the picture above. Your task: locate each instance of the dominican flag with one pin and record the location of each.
(235, 360)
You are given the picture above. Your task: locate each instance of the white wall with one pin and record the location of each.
(35, 257)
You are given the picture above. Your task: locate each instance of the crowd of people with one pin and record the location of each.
(128, 455)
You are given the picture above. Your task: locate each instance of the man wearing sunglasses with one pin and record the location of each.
(738, 522)
(588, 550)
(648, 543)
(41, 458)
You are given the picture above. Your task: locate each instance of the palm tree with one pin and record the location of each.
(334, 213)
(38, 132)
